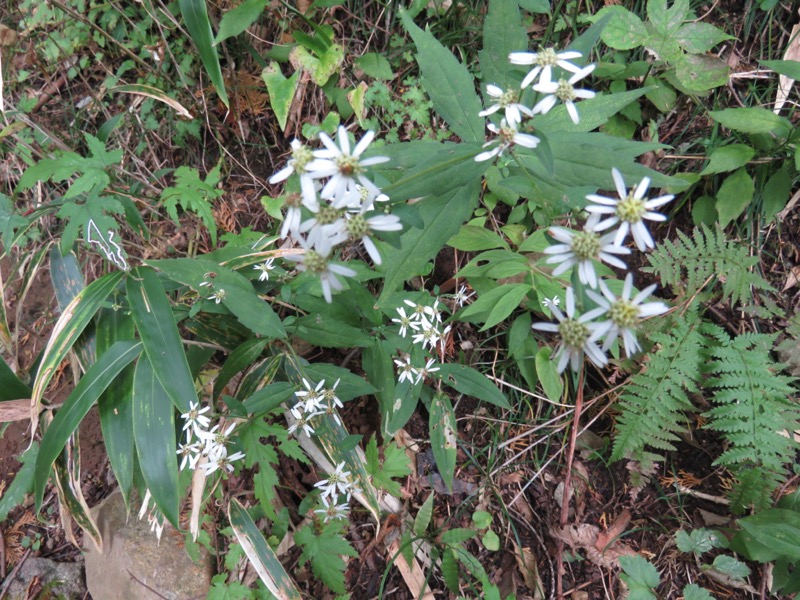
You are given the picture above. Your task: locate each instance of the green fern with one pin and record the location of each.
(754, 413)
(707, 256)
(654, 400)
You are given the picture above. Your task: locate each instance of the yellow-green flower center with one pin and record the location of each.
(327, 215)
(293, 200)
(357, 227)
(565, 92)
(507, 134)
(631, 209)
(508, 98)
(315, 262)
(301, 157)
(547, 58)
(586, 245)
(348, 165)
(624, 314)
(573, 332)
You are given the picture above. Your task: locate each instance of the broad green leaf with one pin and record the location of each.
(776, 528)
(395, 464)
(236, 20)
(471, 238)
(450, 570)
(444, 441)
(728, 158)
(22, 484)
(239, 296)
(449, 84)
(663, 46)
(152, 313)
(281, 91)
(261, 556)
(640, 576)
(67, 280)
(497, 264)
(325, 550)
(660, 93)
(81, 399)
(78, 215)
(732, 567)
(322, 330)
(194, 195)
(624, 30)
(442, 217)
(268, 397)
(10, 222)
(752, 120)
(154, 432)
(535, 6)
(321, 67)
(356, 98)
(695, 592)
(468, 381)
(701, 72)
(350, 385)
(65, 333)
(115, 403)
(196, 20)
(698, 541)
(503, 34)
(549, 376)
(667, 20)
(776, 193)
(496, 304)
(238, 360)
(11, 387)
(593, 113)
(788, 68)
(699, 37)
(734, 196)
(375, 65)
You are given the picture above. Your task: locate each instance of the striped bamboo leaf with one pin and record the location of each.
(152, 314)
(154, 433)
(262, 557)
(67, 280)
(69, 417)
(68, 328)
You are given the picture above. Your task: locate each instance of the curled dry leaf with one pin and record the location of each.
(785, 83)
(585, 537)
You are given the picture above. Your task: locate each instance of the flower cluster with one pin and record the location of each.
(336, 205)
(312, 402)
(204, 442)
(580, 333)
(549, 93)
(424, 323)
(339, 485)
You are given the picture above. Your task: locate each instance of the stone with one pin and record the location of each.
(135, 566)
(52, 580)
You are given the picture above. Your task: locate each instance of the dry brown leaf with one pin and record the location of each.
(618, 527)
(792, 279)
(785, 83)
(585, 537)
(15, 410)
(526, 562)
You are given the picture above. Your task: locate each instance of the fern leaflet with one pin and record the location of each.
(707, 255)
(754, 413)
(653, 401)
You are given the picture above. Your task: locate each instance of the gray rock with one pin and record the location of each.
(62, 580)
(135, 566)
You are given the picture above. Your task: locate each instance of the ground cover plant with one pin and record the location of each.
(513, 284)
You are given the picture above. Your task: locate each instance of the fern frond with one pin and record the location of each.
(652, 404)
(689, 262)
(755, 414)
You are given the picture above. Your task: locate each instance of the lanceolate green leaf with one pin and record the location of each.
(448, 83)
(154, 432)
(236, 20)
(152, 313)
(77, 404)
(472, 383)
(593, 113)
(503, 33)
(442, 427)
(195, 17)
(115, 404)
(67, 279)
(442, 217)
(11, 388)
(262, 557)
(70, 325)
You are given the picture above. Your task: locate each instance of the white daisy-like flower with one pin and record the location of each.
(264, 269)
(422, 311)
(428, 336)
(565, 91)
(215, 436)
(581, 248)
(195, 419)
(507, 136)
(318, 264)
(221, 462)
(406, 321)
(311, 397)
(576, 337)
(332, 511)
(423, 373)
(623, 314)
(544, 61)
(218, 296)
(301, 421)
(345, 169)
(358, 227)
(404, 369)
(630, 210)
(190, 453)
(549, 302)
(461, 296)
(337, 484)
(302, 155)
(507, 101)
